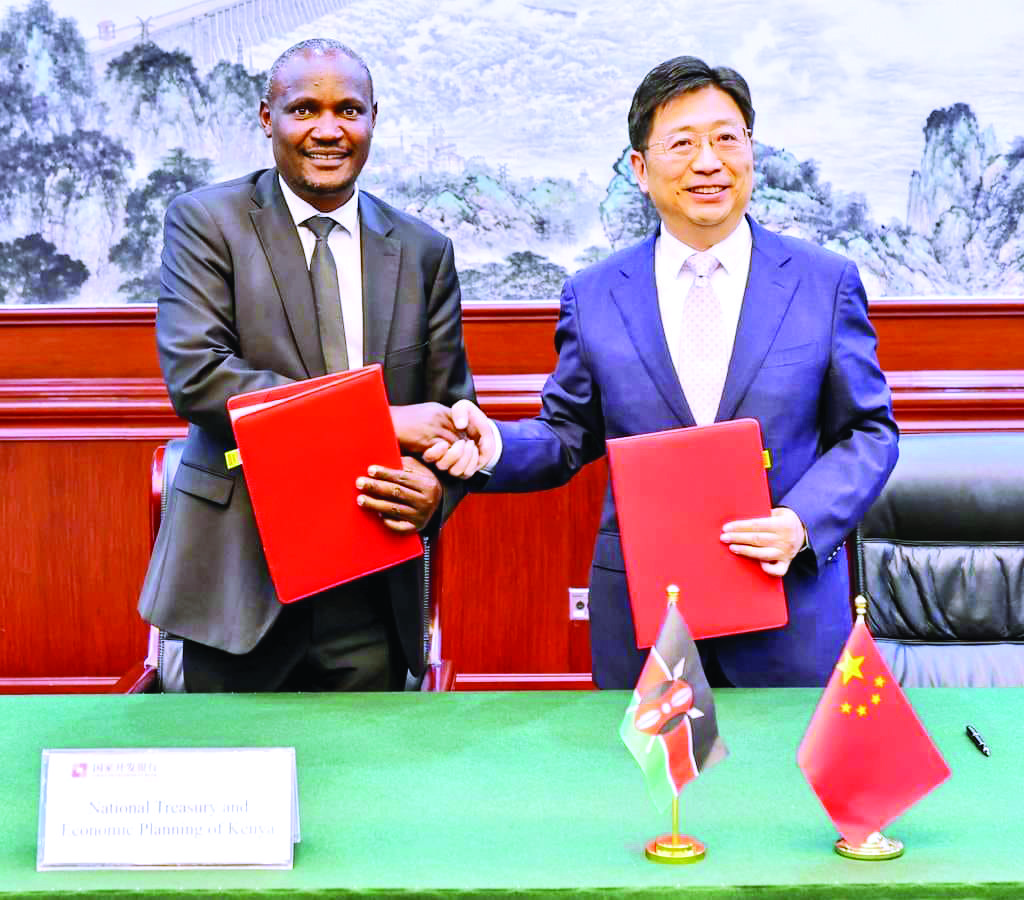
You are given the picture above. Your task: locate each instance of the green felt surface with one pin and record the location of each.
(534, 793)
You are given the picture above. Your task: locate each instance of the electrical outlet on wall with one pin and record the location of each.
(579, 604)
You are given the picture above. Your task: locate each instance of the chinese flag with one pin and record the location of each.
(866, 754)
(670, 725)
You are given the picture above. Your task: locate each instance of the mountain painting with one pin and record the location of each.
(888, 130)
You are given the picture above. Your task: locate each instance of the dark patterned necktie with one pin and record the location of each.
(323, 274)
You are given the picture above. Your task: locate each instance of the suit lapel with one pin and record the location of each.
(382, 255)
(770, 288)
(281, 244)
(636, 296)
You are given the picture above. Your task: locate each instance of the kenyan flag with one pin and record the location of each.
(669, 726)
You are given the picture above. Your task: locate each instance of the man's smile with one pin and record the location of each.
(327, 155)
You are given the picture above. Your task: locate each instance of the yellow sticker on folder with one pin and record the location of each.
(233, 459)
(766, 456)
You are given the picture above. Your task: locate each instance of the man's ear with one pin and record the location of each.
(639, 164)
(265, 123)
(373, 115)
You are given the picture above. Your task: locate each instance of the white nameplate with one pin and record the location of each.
(168, 808)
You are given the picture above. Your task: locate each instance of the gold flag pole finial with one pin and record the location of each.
(860, 604)
(672, 593)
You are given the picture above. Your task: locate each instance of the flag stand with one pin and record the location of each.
(675, 848)
(877, 846)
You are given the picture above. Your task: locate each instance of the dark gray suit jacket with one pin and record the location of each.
(236, 313)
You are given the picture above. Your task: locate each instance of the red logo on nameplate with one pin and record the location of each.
(78, 770)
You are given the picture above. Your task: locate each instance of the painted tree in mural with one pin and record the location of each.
(147, 71)
(174, 106)
(60, 172)
(47, 81)
(230, 116)
(137, 254)
(33, 271)
(627, 215)
(523, 275)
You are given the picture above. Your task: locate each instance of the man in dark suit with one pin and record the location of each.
(715, 318)
(274, 277)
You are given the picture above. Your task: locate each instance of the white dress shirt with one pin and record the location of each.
(729, 282)
(345, 246)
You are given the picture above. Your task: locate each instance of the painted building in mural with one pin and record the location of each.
(503, 124)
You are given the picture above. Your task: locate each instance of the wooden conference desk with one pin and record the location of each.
(531, 793)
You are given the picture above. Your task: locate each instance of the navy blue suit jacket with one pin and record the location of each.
(804, 365)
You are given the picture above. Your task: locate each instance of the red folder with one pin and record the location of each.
(302, 446)
(674, 490)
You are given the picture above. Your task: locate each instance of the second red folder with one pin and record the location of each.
(674, 490)
(302, 447)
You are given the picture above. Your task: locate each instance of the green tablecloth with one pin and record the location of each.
(531, 793)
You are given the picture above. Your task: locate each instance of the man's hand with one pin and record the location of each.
(774, 541)
(459, 460)
(405, 499)
(422, 425)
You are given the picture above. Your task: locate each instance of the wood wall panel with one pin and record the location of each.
(82, 406)
(508, 563)
(938, 334)
(927, 334)
(510, 339)
(44, 342)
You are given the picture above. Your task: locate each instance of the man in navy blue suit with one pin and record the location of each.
(714, 318)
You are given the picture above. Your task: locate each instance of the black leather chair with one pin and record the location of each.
(163, 662)
(940, 556)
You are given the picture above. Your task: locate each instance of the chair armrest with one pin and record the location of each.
(139, 679)
(439, 677)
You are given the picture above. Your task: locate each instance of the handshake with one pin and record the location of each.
(459, 440)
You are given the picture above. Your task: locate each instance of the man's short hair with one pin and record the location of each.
(674, 77)
(313, 45)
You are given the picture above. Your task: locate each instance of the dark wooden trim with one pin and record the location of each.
(499, 313)
(523, 681)
(977, 400)
(71, 316)
(887, 307)
(138, 408)
(509, 397)
(41, 409)
(988, 380)
(945, 307)
(75, 685)
(504, 313)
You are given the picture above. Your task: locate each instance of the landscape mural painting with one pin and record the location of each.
(888, 130)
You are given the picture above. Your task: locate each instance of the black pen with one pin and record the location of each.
(978, 740)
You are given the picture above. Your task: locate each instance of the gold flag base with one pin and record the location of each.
(877, 846)
(675, 849)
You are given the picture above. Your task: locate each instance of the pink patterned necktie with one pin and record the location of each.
(704, 351)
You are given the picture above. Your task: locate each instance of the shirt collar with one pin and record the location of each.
(732, 252)
(346, 215)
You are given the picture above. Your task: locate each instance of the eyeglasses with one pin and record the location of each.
(685, 145)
